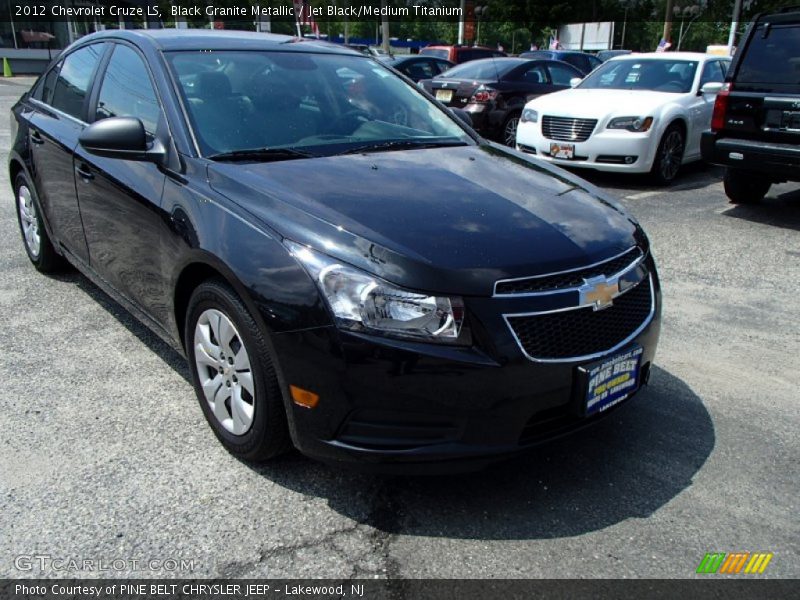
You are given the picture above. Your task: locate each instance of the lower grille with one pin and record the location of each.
(582, 332)
(381, 430)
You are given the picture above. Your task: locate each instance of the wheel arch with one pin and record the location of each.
(191, 275)
(15, 167)
(670, 119)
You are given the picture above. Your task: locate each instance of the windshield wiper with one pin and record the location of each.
(401, 145)
(261, 154)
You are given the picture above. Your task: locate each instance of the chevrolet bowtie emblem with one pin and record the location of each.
(599, 292)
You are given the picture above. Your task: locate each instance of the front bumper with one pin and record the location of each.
(410, 406)
(780, 161)
(605, 150)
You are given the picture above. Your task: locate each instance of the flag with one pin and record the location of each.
(663, 46)
(304, 16)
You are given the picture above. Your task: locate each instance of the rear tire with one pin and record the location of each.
(509, 131)
(37, 243)
(743, 187)
(234, 376)
(669, 155)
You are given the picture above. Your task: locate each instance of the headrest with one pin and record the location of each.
(213, 85)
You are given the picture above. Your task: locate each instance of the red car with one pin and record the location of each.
(461, 54)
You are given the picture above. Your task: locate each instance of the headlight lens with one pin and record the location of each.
(637, 124)
(361, 302)
(529, 116)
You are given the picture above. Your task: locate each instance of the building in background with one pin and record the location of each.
(29, 43)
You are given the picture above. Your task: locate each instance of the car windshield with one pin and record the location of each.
(487, 68)
(316, 104)
(655, 75)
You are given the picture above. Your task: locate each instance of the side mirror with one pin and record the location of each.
(121, 137)
(574, 81)
(463, 115)
(712, 87)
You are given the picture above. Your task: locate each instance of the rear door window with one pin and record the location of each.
(561, 75)
(74, 78)
(44, 89)
(771, 59)
(420, 69)
(535, 74)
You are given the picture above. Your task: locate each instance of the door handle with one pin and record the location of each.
(84, 172)
(36, 137)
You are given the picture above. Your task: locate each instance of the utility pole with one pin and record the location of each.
(737, 12)
(668, 21)
(385, 27)
(461, 21)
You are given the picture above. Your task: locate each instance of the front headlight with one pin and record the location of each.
(362, 302)
(529, 115)
(635, 124)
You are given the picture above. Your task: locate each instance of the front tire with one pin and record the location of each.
(669, 155)
(37, 243)
(234, 376)
(743, 187)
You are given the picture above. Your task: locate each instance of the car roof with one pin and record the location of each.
(543, 50)
(664, 56)
(205, 39)
(458, 47)
(408, 57)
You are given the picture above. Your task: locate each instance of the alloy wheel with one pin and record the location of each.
(671, 155)
(29, 220)
(224, 370)
(510, 132)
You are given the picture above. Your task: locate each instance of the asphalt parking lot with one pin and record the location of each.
(105, 453)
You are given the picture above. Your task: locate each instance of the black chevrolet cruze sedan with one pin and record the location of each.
(347, 267)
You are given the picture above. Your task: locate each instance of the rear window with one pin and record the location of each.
(437, 52)
(772, 57)
(483, 69)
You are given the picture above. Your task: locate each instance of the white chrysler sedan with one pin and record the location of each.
(637, 113)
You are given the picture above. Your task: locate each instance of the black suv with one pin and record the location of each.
(755, 128)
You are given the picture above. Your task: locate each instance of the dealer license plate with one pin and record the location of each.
(444, 95)
(562, 151)
(612, 380)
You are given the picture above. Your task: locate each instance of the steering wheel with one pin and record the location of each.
(671, 86)
(399, 115)
(353, 118)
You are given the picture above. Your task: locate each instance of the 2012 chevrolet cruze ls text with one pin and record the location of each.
(347, 266)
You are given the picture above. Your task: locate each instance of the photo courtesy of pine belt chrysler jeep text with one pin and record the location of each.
(346, 265)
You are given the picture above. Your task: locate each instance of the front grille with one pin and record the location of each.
(570, 279)
(566, 129)
(583, 331)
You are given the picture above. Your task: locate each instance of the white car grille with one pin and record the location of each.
(567, 129)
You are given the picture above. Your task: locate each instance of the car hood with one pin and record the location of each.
(450, 220)
(596, 104)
